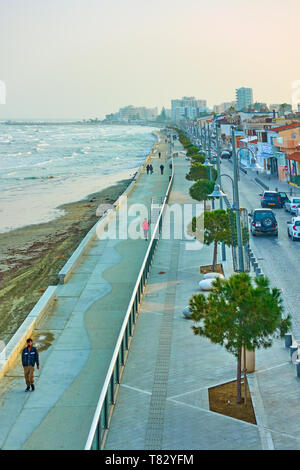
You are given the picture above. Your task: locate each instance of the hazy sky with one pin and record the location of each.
(86, 58)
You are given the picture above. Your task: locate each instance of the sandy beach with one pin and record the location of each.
(31, 257)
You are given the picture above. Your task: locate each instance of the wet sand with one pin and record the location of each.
(31, 257)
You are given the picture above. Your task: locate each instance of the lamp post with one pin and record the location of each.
(219, 182)
(237, 202)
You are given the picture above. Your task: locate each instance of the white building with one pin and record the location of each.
(244, 98)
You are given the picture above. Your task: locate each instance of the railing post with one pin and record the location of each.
(106, 412)
(112, 389)
(122, 352)
(118, 369)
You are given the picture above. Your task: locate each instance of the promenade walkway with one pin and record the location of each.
(163, 400)
(77, 338)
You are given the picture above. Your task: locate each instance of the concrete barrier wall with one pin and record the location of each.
(12, 351)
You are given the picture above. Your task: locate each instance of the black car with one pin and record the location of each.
(270, 199)
(263, 222)
(283, 198)
(226, 154)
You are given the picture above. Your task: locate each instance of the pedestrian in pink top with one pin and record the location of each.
(145, 226)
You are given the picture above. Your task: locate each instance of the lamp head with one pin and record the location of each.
(217, 192)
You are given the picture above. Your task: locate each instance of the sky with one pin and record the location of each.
(86, 58)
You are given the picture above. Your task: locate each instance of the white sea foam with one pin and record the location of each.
(45, 168)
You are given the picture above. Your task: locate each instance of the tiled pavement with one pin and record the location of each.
(163, 398)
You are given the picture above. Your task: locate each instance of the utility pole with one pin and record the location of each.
(219, 182)
(236, 202)
(209, 159)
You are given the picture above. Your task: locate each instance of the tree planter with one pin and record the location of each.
(208, 269)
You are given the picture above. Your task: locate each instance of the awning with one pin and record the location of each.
(294, 156)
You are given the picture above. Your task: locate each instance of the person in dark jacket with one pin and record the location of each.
(30, 357)
(161, 169)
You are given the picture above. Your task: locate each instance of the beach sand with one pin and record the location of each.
(31, 257)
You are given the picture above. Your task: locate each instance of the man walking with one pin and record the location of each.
(148, 168)
(30, 357)
(161, 169)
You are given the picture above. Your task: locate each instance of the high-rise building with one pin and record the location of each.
(190, 104)
(244, 98)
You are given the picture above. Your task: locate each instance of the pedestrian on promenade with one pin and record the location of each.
(151, 169)
(30, 357)
(161, 169)
(146, 226)
(148, 168)
(159, 154)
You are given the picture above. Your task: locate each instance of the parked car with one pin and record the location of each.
(293, 228)
(283, 198)
(226, 154)
(214, 159)
(263, 222)
(292, 205)
(270, 198)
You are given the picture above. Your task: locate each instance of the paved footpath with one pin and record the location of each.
(78, 337)
(163, 399)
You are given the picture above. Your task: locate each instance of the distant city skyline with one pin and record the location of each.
(69, 59)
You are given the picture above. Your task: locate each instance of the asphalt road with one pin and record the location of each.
(279, 257)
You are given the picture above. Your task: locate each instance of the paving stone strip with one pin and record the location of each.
(155, 424)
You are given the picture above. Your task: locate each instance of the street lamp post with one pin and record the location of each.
(209, 160)
(237, 203)
(219, 182)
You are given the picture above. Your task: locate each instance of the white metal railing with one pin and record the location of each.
(107, 399)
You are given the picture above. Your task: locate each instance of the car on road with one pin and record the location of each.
(270, 198)
(214, 159)
(283, 198)
(263, 222)
(293, 204)
(226, 154)
(293, 228)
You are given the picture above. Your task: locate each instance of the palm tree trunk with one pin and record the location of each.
(215, 256)
(239, 379)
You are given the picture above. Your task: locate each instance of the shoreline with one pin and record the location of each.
(32, 256)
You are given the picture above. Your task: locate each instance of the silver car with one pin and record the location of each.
(293, 229)
(292, 205)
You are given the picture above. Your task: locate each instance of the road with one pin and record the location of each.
(278, 257)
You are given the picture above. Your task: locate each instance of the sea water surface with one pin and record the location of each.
(43, 166)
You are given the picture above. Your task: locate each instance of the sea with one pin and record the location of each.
(44, 166)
